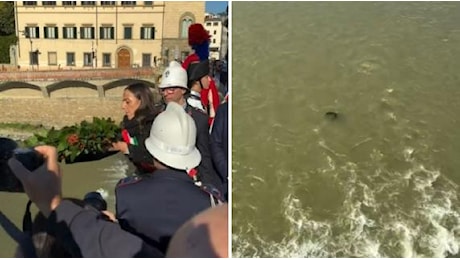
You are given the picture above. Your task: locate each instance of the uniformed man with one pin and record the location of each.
(155, 206)
(173, 87)
(198, 79)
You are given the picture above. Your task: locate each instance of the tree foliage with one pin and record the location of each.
(6, 18)
(7, 36)
(5, 42)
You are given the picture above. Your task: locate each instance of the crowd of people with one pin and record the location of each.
(176, 203)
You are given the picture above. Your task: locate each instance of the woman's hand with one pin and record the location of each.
(44, 185)
(120, 146)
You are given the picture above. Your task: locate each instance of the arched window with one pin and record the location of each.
(185, 23)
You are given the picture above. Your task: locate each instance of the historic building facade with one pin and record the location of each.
(214, 27)
(102, 34)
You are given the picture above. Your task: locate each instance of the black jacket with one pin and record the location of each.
(139, 129)
(219, 144)
(85, 233)
(155, 206)
(206, 172)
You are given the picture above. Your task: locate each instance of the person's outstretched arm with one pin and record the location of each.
(82, 231)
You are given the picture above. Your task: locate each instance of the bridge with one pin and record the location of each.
(63, 97)
(98, 80)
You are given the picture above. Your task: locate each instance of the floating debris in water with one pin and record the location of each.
(331, 115)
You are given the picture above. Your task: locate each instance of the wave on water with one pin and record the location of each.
(117, 171)
(407, 213)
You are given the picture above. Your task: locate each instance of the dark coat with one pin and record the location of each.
(84, 233)
(219, 144)
(155, 206)
(206, 172)
(139, 128)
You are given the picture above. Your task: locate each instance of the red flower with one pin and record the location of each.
(72, 139)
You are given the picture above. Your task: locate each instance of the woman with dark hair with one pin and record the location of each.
(140, 111)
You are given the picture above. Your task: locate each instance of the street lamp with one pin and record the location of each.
(36, 53)
(93, 55)
(31, 53)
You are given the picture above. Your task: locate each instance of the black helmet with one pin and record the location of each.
(196, 71)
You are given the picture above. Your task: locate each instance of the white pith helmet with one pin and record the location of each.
(172, 138)
(174, 76)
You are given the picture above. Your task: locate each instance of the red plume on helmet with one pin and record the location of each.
(198, 39)
(197, 34)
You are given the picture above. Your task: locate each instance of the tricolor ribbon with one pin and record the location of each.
(127, 138)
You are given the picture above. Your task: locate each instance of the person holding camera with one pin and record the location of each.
(81, 230)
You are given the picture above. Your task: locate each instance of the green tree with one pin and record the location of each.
(5, 42)
(7, 35)
(6, 18)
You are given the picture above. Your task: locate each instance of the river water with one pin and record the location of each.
(79, 178)
(382, 179)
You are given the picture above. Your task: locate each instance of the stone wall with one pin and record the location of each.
(58, 111)
(68, 104)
